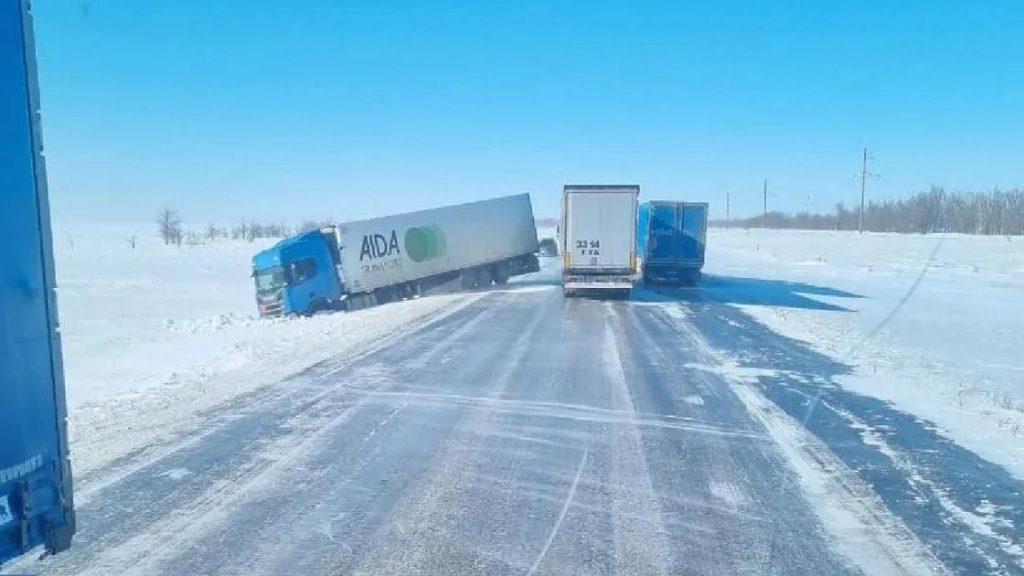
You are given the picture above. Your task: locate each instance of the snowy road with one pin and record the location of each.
(522, 434)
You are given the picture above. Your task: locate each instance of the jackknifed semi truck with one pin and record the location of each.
(362, 263)
(36, 507)
(671, 239)
(598, 237)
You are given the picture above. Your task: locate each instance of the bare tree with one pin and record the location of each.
(253, 230)
(169, 224)
(240, 232)
(310, 225)
(998, 212)
(192, 238)
(212, 232)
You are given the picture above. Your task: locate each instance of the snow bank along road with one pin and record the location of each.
(528, 434)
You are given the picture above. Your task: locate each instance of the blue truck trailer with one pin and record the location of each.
(358, 264)
(671, 238)
(35, 474)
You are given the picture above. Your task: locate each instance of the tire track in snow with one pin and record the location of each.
(256, 441)
(214, 419)
(641, 546)
(561, 515)
(294, 449)
(858, 521)
(791, 374)
(427, 520)
(730, 505)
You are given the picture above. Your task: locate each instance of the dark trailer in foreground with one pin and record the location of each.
(35, 476)
(671, 238)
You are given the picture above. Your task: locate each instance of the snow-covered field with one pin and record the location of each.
(155, 334)
(931, 323)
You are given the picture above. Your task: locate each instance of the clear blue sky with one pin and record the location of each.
(324, 108)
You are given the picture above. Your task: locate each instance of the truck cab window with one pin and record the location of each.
(302, 270)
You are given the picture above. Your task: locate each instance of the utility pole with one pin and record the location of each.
(765, 219)
(863, 178)
(727, 206)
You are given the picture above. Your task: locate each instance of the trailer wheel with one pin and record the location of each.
(690, 278)
(316, 306)
(499, 273)
(389, 294)
(483, 277)
(469, 280)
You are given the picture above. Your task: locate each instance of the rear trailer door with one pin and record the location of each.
(664, 232)
(600, 230)
(35, 478)
(694, 232)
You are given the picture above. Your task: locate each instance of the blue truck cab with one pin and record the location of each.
(671, 239)
(298, 275)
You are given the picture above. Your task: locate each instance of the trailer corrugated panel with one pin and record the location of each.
(405, 247)
(35, 476)
(693, 239)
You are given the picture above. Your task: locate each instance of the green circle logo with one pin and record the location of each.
(424, 243)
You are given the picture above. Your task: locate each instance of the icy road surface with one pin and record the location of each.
(523, 434)
(529, 434)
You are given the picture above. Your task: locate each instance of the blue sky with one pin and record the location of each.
(285, 110)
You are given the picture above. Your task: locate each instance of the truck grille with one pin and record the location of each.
(270, 305)
(272, 311)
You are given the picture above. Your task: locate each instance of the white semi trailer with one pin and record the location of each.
(365, 262)
(598, 237)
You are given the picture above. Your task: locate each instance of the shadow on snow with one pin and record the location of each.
(740, 290)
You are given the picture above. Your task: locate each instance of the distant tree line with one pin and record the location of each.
(999, 212)
(172, 230)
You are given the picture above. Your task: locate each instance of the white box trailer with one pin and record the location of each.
(598, 237)
(496, 236)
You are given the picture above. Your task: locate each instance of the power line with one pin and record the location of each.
(863, 184)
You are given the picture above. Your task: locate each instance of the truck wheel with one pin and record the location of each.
(468, 279)
(567, 293)
(533, 265)
(499, 273)
(483, 277)
(316, 306)
(359, 302)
